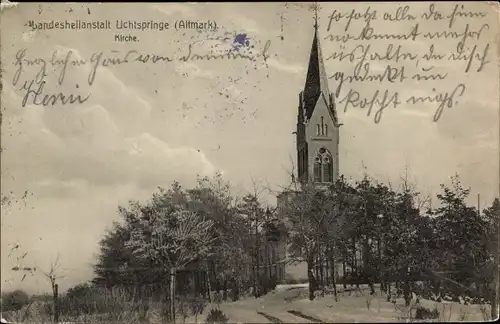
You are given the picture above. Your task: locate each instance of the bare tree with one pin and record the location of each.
(53, 274)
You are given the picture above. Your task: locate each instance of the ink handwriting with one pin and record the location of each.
(403, 59)
(34, 89)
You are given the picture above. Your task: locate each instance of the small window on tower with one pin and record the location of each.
(318, 129)
(326, 129)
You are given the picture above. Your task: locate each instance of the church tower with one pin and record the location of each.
(317, 123)
(317, 138)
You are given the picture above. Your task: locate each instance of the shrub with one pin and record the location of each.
(235, 294)
(216, 316)
(217, 297)
(425, 313)
(15, 300)
(95, 300)
(182, 307)
(197, 306)
(79, 291)
(42, 298)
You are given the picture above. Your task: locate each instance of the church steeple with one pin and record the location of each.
(317, 123)
(317, 80)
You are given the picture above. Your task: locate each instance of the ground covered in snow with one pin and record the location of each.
(290, 304)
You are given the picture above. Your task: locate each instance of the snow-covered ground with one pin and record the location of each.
(290, 304)
(354, 308)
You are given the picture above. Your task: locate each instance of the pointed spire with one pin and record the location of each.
(317, 79)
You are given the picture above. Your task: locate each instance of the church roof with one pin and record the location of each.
(317, 80)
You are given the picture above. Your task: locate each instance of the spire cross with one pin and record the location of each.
(316, 7)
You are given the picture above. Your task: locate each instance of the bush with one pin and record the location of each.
(94, 301)
(182, 307)
(425, 313)
(197, 306)
(216, 316)
(13, 301)
(217, 297)
(42, 298)
(79, 291)
(235, 294)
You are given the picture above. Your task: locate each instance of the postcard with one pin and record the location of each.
(250, 162)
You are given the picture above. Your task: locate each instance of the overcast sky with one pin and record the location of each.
(147, 125)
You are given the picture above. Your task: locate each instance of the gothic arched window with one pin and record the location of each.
(323, 166)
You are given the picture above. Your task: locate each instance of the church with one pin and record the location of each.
(317, 140)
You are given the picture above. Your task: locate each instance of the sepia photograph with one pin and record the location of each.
(251, 162)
